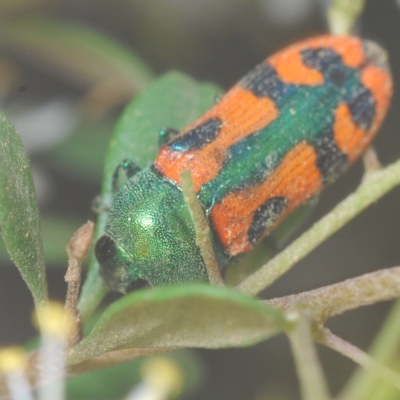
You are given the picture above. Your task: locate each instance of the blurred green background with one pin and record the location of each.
(68, 67)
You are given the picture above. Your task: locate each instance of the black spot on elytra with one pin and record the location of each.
(362, 108)
(331, 161)
(198, 137)
(361, 101)
(323, 59)
(328, 62)
(265, 216)
(263, 81)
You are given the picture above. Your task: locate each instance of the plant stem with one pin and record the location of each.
(89, 302)
(77, 250)
(374, 185)
(309, 371)
(371, 161)
(94, 288)
(352, 293)
(326, 337)
(52, 369)
(203, 239)
(384, 349)
(342, 15)
(13, 362)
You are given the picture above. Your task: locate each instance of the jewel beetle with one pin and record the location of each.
(291, 126)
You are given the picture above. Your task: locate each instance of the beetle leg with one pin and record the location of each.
(165, 135)
(122, 173)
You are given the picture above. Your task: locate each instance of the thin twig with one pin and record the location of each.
(385, 350)
(326, 337)
(309, 371)
(328, 301)
(371, 161)
(203, 239)
(342, 15)
(77, 250)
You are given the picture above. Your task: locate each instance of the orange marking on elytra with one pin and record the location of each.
(297, 179)
(379, 82)
(350, 139)
(242, 113)
(291, 69)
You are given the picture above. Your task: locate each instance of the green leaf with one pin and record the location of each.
(19, 215)
(180, 316)
(87, 56)
(174, 100)
(56, 232)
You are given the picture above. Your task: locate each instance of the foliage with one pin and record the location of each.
(152, 321)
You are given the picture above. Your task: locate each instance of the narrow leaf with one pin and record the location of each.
(180, 316)
(19, 215)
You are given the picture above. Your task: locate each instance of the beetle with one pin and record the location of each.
(291, 126)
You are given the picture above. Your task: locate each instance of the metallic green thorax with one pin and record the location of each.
(153, 233)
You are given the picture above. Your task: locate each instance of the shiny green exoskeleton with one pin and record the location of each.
(288, 128)
(151, 218)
